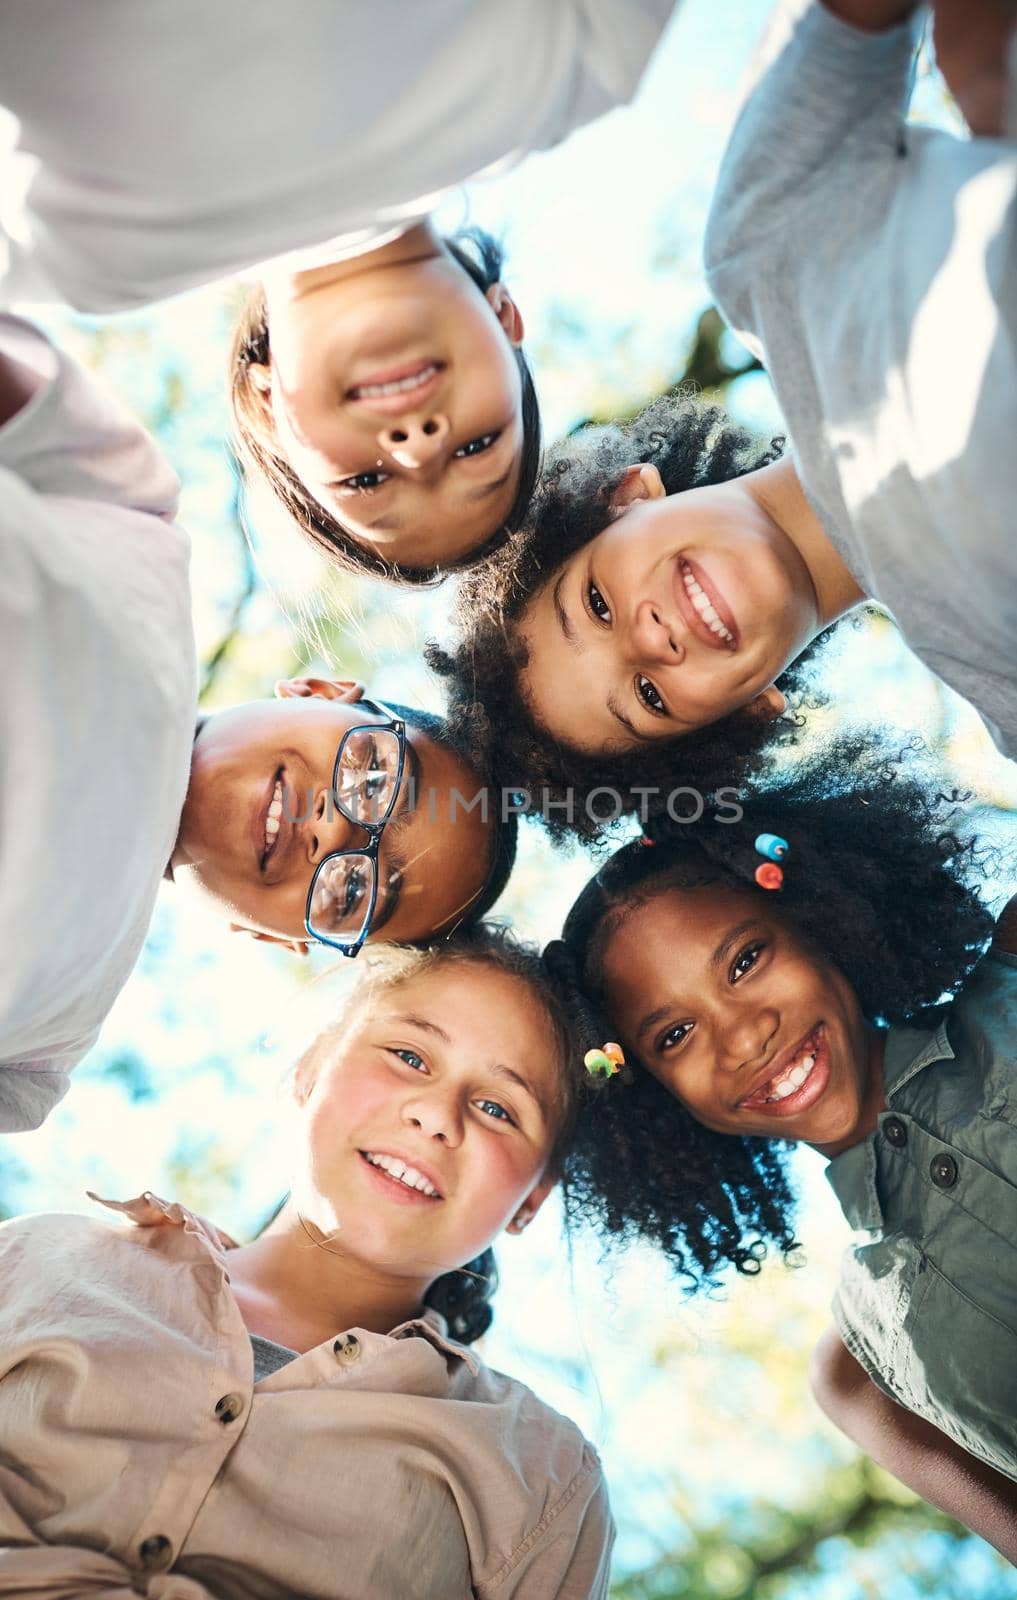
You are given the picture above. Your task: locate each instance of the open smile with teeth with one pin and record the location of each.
(409, 1177)
(272, 817)
(794, 1076)
(706, 610)
(381, 391)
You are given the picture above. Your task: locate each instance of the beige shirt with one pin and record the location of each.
(138, 1456)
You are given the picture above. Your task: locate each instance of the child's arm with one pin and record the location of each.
(872, 15)
(924, 1459)
(971, 39)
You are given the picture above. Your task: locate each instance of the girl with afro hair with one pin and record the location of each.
(650, 621)
(817, 972)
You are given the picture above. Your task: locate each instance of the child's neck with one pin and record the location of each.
(778, 489)
(873, 1100)
(298, 1288)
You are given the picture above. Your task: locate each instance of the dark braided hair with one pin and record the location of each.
(876, 882)
(482, 258)
(692, 445)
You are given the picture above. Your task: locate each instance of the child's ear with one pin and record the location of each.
(259, 380)
(768, 705)
(347, 689)
(507, 312)
(299, 947)
(640, 482)
(531, 1205)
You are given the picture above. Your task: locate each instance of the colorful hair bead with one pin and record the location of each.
(769, 875)
(604, 1063)
(772, 846)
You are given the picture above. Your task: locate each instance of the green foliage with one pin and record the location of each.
(851, 1514)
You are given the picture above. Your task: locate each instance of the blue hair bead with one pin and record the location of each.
(772, 846)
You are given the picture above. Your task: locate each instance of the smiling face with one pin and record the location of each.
(256, 857)
(428, 1127)
(395, 395)
(684, 609)
(740, 1020)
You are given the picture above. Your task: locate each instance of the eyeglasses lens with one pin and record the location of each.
(367, 782)
(341, 901)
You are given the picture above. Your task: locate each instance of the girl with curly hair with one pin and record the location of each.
(816, 973)
(187, 1418)
(653, 616)
(667, 585)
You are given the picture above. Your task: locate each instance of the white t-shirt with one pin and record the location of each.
(179, 142)
(873, 266)
(97, 716)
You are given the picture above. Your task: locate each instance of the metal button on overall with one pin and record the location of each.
(155, 1552)
(895, 1132)
(347, 1348)
(229, 1408)
(943, 1170)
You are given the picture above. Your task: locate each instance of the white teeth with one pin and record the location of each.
(274, 813)
(706, 610)
(405, 1175)
(376, 391)
(792, 1078)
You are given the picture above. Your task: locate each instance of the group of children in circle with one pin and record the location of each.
(636, 606)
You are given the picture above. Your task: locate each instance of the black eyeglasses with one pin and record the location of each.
(365, 787)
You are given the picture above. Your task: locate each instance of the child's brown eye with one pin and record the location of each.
(597, 604)
(476, 447)
(746, 960)
(674, 1036)
(649, 696)
(361, 482)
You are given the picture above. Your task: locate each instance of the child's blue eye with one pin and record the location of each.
(492, 1109)
(411, 1058)
(674, 1036)
(745, 961)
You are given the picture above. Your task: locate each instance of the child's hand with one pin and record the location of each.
(971, 39)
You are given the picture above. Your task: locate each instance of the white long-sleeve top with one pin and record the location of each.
(97, 714)
(179, 142)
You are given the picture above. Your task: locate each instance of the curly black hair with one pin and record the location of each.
(692, 444)
(482, 258)
(878, 880)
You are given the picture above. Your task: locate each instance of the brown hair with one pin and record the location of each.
(463, 1296)
(481, 257)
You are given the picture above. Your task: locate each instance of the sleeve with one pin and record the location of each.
(75, 438)
(833, 98)
(30, 1090)
(568, 1557)
(97, 657)
(616, 39)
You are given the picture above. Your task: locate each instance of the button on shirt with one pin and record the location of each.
(137, 1449)
(365, 115)
(873, 268)
(97, 716)
(929, 1305)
